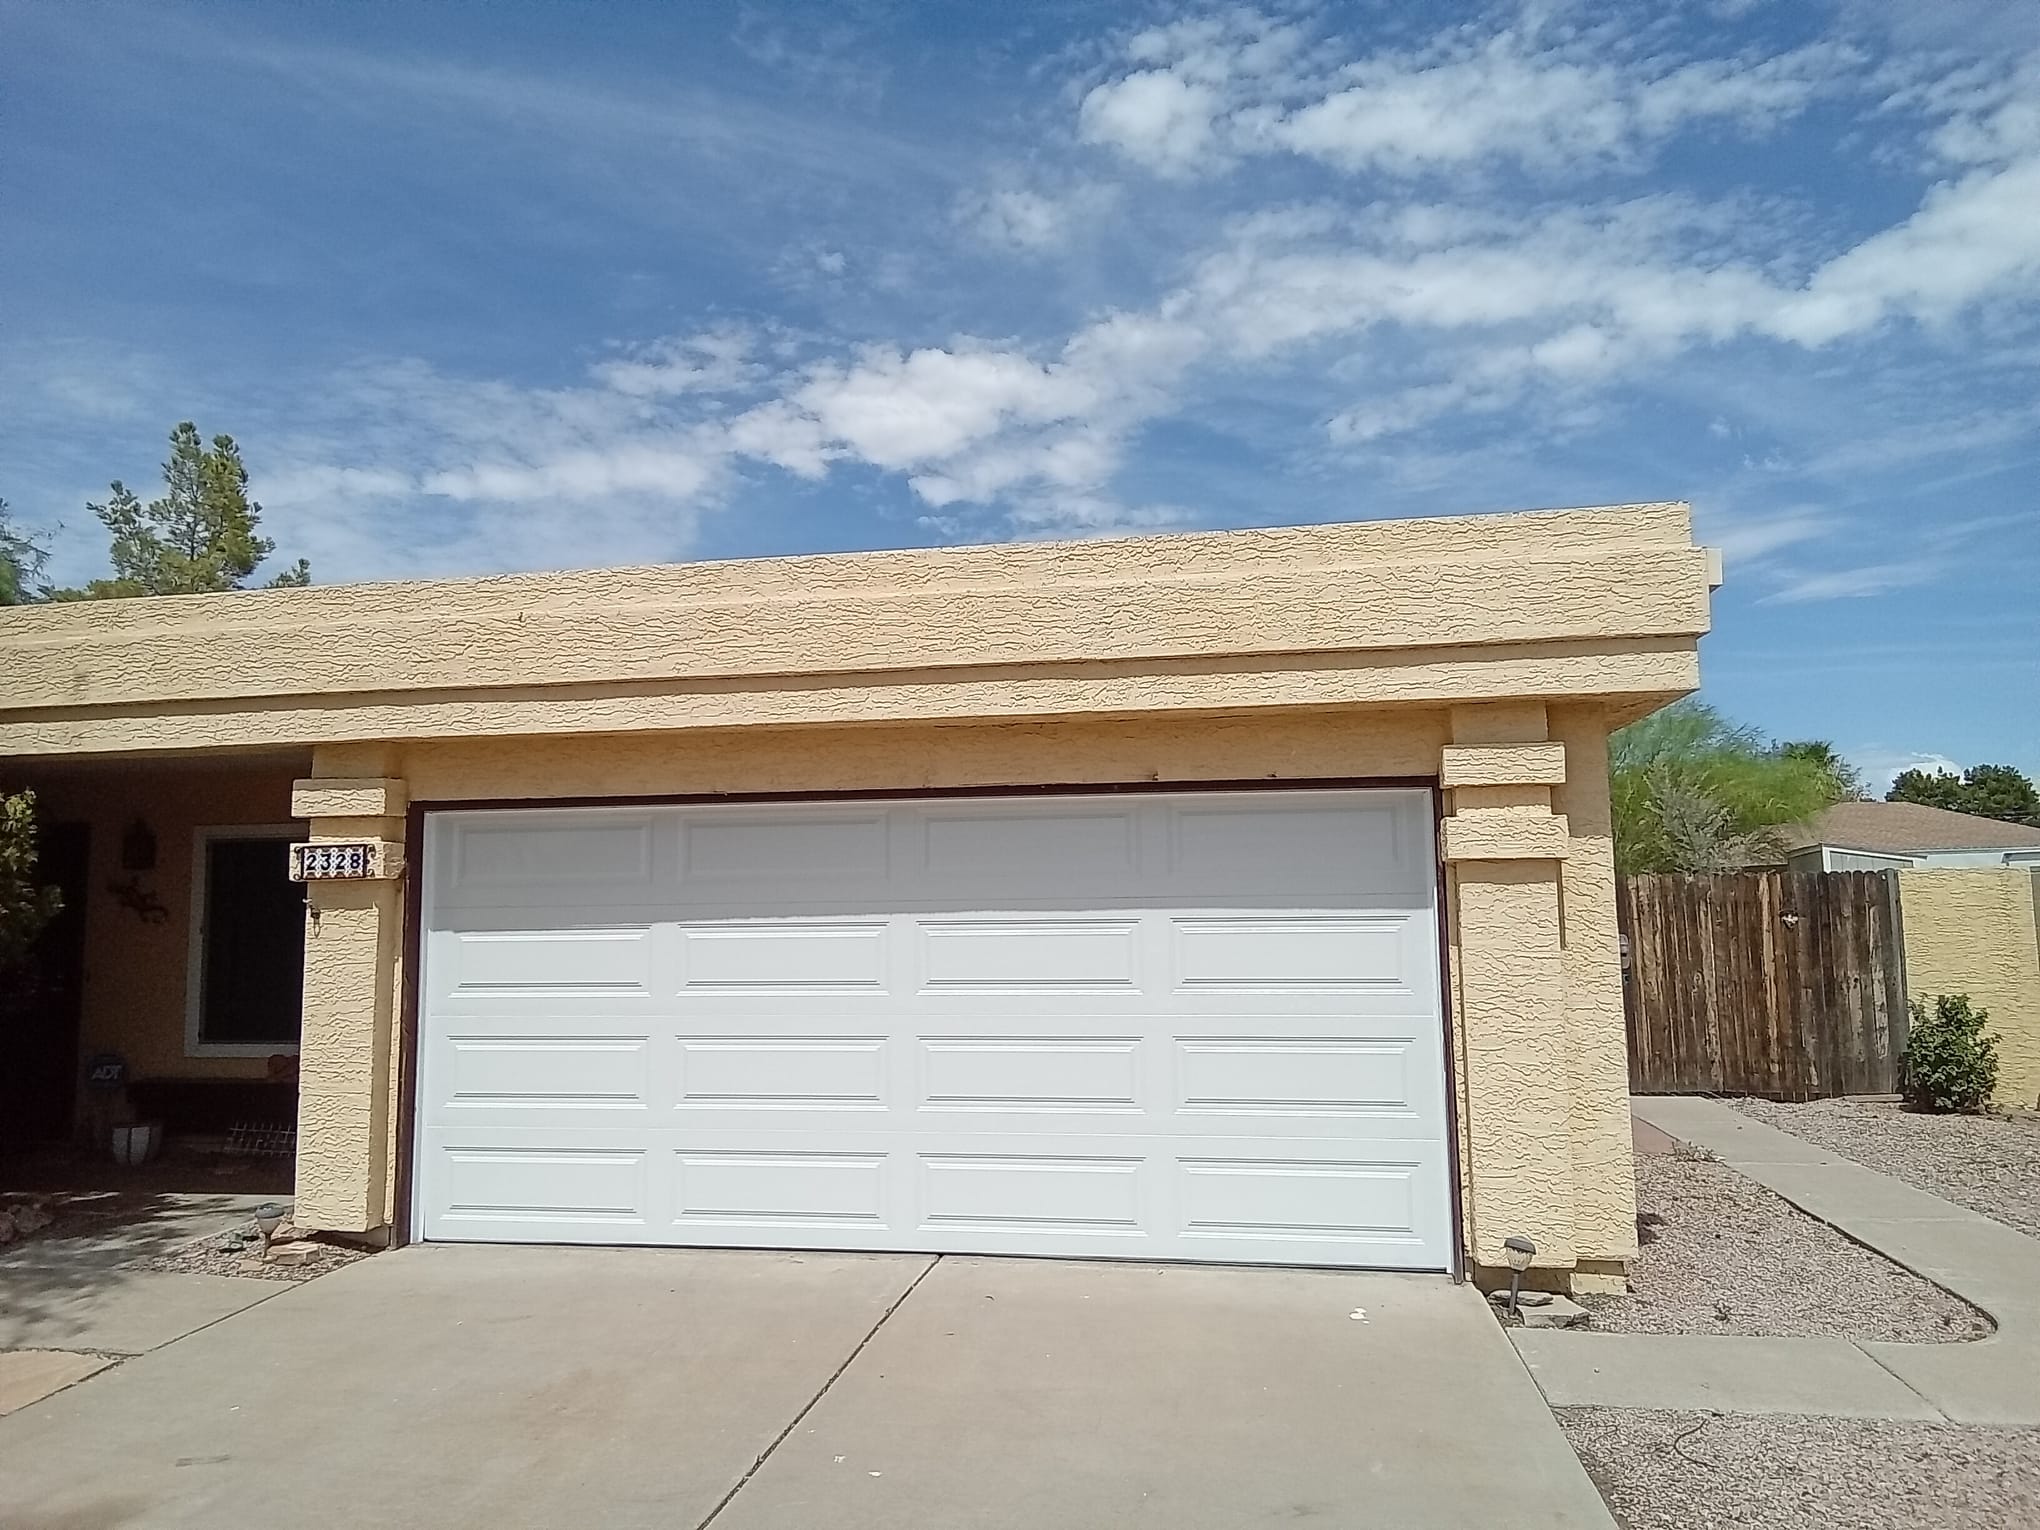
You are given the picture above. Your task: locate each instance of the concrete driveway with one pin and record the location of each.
(545, 1387)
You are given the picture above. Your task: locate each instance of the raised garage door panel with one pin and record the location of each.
(1196, 1026)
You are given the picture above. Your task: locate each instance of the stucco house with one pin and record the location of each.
(1885, 836)
(1238, 897)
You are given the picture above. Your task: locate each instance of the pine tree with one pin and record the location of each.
(200, 537)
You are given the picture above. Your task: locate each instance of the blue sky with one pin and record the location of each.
(510, 286)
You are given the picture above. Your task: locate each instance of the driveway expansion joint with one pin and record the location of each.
(823, 1391)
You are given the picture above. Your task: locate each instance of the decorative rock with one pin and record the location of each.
(1560, 1313)
(1527, 1299)
(292, 1253)
(30, 1218)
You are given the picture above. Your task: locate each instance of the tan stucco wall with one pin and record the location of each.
(1971, 930)
(136, 971)
(1492, 653)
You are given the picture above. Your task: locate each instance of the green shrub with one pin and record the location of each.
(1949, 1063)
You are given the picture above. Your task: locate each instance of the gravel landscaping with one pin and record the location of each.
(1990, 1164)
(301, 1258)
(53, 1217)
(1690, 1471)
(1721, 1254)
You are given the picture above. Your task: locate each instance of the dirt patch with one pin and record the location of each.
(1683, 1471)
(1721, 1254)
(1991, 1164)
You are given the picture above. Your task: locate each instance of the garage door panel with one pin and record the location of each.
(1342, 842)
(823, 1071)
(1260, 1075)
(498, 1068)
(515, 1187)
(1152, 1027)
(1271, 952)
(1038, 1193)
(729, 850)
(1035, 853)
(504, 858)
(1258, 1198)
(785, 956)
(780, 1191)
(538, 963)
(1009, 955)
(996, 1073)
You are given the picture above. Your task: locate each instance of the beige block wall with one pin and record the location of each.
(136, 970)
(1971, 930)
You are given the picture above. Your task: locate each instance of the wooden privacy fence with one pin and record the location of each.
(1781, 984)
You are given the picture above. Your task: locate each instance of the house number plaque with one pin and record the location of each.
(342, 861)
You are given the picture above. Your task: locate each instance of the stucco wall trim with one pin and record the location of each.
(361, 798)
(1502, 765)
(1507, 836)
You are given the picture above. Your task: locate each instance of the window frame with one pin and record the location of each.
(202, 841)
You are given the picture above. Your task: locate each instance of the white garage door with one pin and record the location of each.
(1189, 1026)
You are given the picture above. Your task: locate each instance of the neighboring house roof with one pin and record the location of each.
(1908, 828)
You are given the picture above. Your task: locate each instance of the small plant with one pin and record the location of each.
(1950, 1065)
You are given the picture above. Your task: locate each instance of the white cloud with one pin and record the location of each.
(1750, 539)
(1853, 583)
(1020, 220)
(711, 362)
(1540, 97)
(1970, 238)
(1154, 117)
(1027, 221)
(1880, 766)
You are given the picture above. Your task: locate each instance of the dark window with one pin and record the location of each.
(252, 989)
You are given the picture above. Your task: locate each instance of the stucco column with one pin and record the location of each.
(1504, 849)
(1604, 1175)
(353, 956)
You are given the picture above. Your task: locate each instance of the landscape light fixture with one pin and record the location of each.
(268, 1217)
(1520, 1251)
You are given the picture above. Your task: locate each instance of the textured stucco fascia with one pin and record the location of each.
(1622, 595)
(1524, 534)
(1642, 673)
(1371, 599)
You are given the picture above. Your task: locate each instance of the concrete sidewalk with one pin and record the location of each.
(1990, 1381)
(70, 1301)
(530, 1388)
